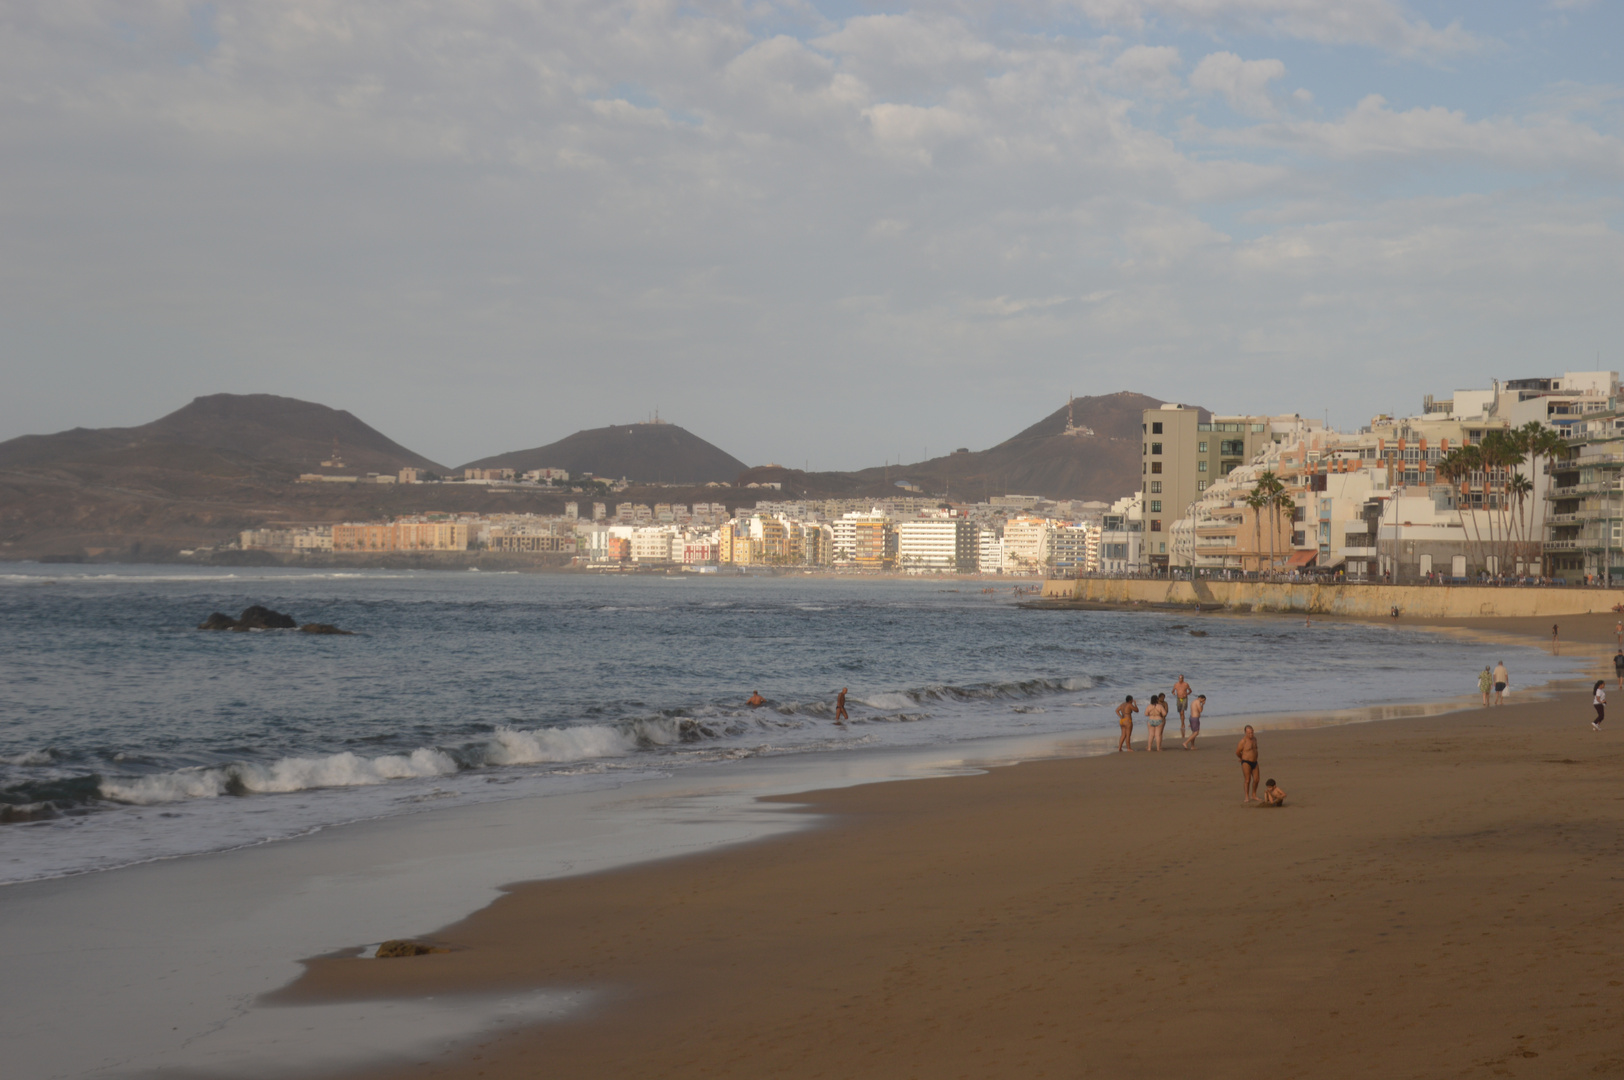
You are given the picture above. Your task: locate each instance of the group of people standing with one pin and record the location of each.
(1156, 714)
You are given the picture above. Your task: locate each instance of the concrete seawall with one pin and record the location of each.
(1433, 601)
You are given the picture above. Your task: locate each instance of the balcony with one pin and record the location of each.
(1359, 552)
(1593, 487)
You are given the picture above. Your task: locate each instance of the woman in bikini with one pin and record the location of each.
(1156, 717)
(1125, 713)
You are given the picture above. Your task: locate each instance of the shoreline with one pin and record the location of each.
(593, 931)
(476, 863)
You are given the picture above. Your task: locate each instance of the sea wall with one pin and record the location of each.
(1431, 601)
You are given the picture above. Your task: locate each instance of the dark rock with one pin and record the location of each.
(322, 628)
(403, 947)
(252, 618)
(263, 618)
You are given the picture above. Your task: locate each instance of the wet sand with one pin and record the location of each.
(1439, 897)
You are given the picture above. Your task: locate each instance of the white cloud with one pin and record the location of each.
(1243, 83)
(600, 206)
(1382, 24)
(1373, 132)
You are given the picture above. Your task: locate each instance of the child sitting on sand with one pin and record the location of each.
(1273, 794)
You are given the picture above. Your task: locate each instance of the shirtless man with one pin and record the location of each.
(1273, 794)
(1246, 753)
(1501, 678)
(1181, 691)
(1199, 704)
(756, 700)
(1125, 713)
(840, 707)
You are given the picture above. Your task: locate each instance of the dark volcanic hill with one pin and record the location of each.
(1099, 459)
(221, 433)
(657, 453)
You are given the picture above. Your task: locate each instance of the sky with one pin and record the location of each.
(824, 234)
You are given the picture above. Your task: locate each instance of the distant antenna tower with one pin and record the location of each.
(1071, 426)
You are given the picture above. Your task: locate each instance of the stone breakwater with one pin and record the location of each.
(1431, 601)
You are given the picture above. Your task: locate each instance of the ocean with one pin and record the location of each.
(127, 735)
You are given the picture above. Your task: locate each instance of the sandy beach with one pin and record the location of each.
(1439, 897)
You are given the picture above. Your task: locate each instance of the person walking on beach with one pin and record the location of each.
(1125, 713)
(1195, 720)
(1554, 644)
(840, 707)
(1618, 666)
(1599, 699)
(1181, 694)
(1485, 683)
(1156, 720)
(1501, 678)
(1246, 752)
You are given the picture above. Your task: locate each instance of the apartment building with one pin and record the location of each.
(1026, 544)
(488, 475)
(1584, 525)
(937, 545)
(402, 536)
(1185, 451)
(1073, 547)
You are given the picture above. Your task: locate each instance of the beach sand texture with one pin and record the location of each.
(1440, 897)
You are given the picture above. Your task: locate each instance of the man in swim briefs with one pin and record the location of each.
(840, 707)
(1125, 713)
(1246, 752)
(1181, 691)
(1195, 720)
(1501, 677)
(1273, 794)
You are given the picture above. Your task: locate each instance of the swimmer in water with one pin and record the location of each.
(756, 700)
(840, 707)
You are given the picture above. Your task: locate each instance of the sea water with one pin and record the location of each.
(127, 735)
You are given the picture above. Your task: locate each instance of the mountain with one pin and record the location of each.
(1089, 448)
(221, 434)
(656, 453)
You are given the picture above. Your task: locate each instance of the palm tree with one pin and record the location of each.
(1469, 461)
(1256, 501)
(1270, 486)
(1281, 503)
(1522, 489)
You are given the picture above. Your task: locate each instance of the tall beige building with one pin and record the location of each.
(1185, 450)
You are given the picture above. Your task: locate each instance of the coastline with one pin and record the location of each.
(1092, 916)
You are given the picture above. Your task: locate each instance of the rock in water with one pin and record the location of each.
(252, 618)
(403, 947)
(263, 618)
(322, 628)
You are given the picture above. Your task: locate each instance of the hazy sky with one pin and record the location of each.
(824, 232)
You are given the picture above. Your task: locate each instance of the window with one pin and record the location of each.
(1201, 485)
(1155, 506)
(1232, 447)
(1257, 429)
(1201, 466)
(1203, 427)
(1155, 487)
(1155, 448)
(1201, 448)
(1155, 525)
(1156, 467)
(1161, 549)
(1156, 428)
